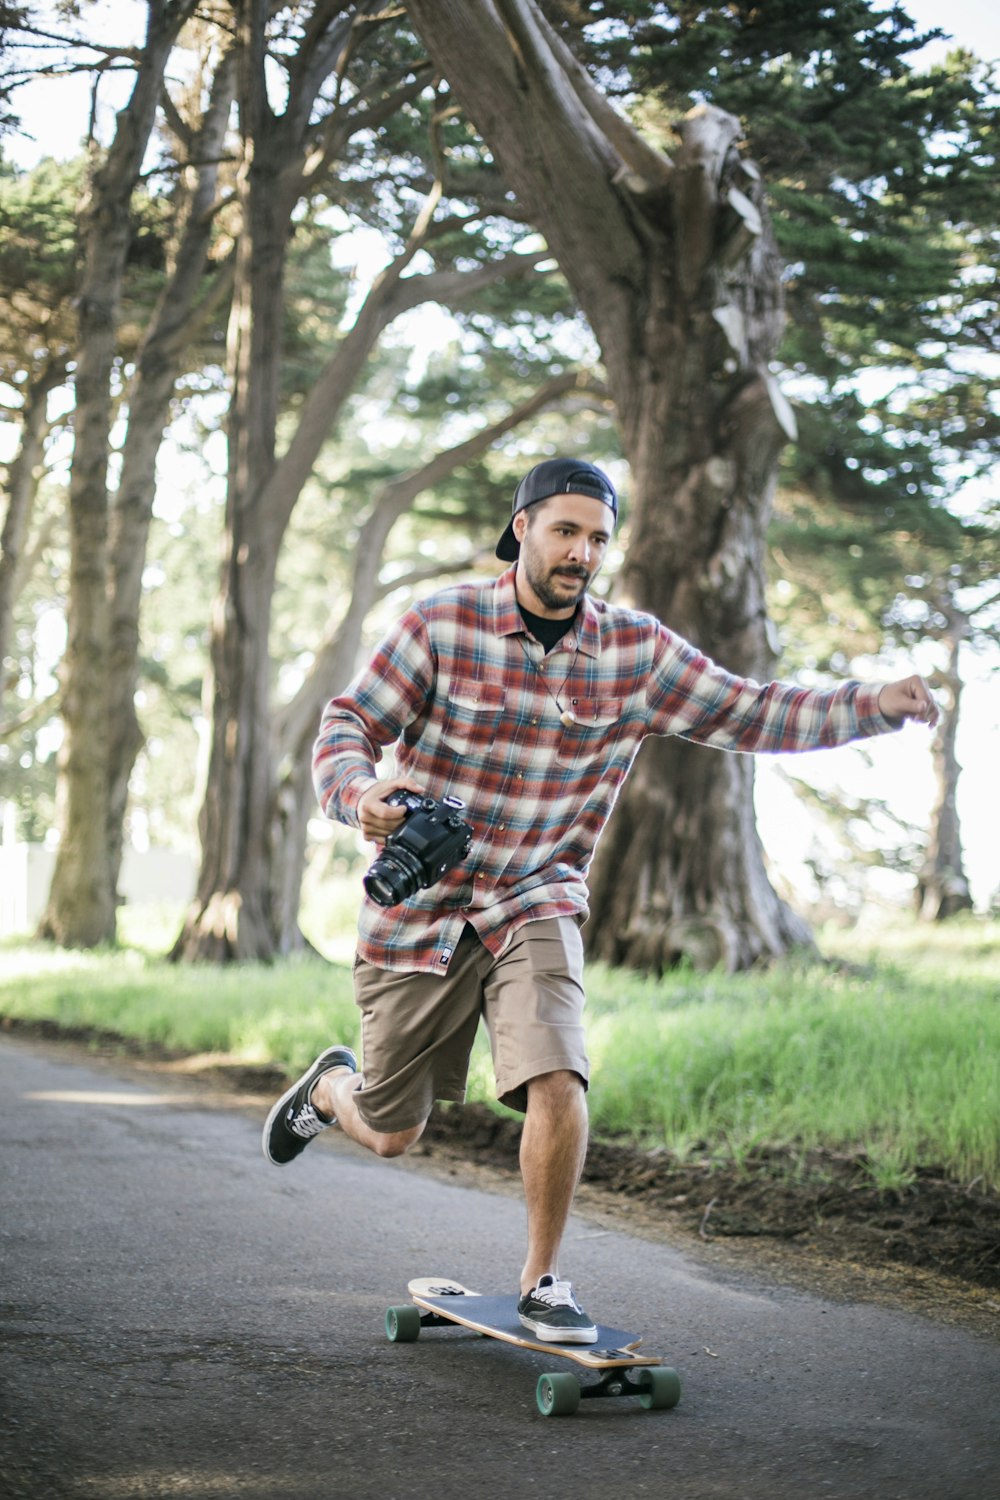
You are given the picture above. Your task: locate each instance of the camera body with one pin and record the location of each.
(425, 846)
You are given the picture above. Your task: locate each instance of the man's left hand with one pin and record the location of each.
(908, 699)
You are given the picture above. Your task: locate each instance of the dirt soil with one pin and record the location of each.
(821, 1204)
(817, 1211)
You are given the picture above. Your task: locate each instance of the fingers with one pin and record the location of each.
(376, 818)
(909, 699)
(923, 709)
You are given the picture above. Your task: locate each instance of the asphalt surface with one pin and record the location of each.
(180, 1318)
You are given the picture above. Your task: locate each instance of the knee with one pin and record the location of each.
(556, 1090)
(395, 1142)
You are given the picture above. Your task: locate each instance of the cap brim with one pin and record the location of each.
(508, 547)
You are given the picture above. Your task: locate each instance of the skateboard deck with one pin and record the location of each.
(616, 1356)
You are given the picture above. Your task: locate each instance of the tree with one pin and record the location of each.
(882, 180)
(285, 158)
(870, 167)
(872, 577)
(193, 297)
(673, 263)
(81, 905)
(37, 333)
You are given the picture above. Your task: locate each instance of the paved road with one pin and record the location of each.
(181, 1319)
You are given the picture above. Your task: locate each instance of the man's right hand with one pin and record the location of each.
(376, 819)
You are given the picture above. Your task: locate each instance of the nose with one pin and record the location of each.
(580, 551)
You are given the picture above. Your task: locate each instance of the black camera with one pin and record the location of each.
(422, 849)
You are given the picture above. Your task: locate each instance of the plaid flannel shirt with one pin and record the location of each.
(469, 698)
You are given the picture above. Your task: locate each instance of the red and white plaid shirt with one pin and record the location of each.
(470, 697)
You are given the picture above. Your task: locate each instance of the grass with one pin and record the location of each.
(894, 1053)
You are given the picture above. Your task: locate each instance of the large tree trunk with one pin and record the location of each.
(231, 916)
(177, 317)
(81, 905)
(675, 267)
(942, 885)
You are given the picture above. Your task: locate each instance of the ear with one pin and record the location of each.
(519, 525)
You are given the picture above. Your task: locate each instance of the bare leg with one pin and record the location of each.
(334, 1095)
(553, 1148)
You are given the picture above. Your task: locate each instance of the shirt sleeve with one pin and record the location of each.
(690, 696)
(385, 697)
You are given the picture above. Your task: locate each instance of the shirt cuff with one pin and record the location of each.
(871, 719)
(349, 794)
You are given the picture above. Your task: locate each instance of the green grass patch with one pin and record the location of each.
(894, 1053)
(283, 1014)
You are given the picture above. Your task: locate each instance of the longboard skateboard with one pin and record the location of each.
(615, 1357)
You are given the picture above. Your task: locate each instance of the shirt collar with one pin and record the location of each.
(507, 618)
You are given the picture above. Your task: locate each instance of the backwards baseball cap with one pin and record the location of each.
(556, 476)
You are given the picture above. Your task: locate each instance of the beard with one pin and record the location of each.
(559, 588)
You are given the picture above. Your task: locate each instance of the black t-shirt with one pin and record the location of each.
(549, 632)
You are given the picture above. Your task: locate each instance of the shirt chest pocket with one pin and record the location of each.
(597, 725)
(472, 714)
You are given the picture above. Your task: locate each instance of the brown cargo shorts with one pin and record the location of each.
(417, 1029)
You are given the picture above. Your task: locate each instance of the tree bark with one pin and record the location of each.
(942, 885)
(22, 487)
(674, 264)
(178, 315)
(81, 906)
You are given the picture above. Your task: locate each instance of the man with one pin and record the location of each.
(528, 700)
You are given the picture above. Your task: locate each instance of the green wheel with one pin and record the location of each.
(661, 1388)
(557, 1395)
(402, 1324)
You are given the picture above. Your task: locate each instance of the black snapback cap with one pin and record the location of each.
(555, 476)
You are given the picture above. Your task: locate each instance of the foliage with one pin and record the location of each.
(881, 181)
(881, 177)
(892, 1050)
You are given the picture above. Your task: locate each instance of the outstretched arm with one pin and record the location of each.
(909, 698)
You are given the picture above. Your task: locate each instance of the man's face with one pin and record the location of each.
(563, 543)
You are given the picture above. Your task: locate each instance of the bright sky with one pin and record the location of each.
(974, 24)
(897, 768)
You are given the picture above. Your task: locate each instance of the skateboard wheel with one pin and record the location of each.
(661, 1388)
(402, 1324)
(557, 1395)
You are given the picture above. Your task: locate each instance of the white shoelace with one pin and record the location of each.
(555, 1293)
(306, 1123)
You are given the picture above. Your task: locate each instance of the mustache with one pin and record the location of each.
(571, 573)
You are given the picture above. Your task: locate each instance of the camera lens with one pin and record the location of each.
(381, 891)
(394, 876)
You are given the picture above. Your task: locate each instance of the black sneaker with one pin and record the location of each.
(552, 1313)
(293, 1121)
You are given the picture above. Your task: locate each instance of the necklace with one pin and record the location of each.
(567, 717)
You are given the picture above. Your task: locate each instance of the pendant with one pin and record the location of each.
(567, 718)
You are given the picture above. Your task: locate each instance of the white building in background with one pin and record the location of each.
(149, 877)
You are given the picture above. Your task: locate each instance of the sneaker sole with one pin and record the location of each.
(550, 1335)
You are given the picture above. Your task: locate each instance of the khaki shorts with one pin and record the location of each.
(418, 1028)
